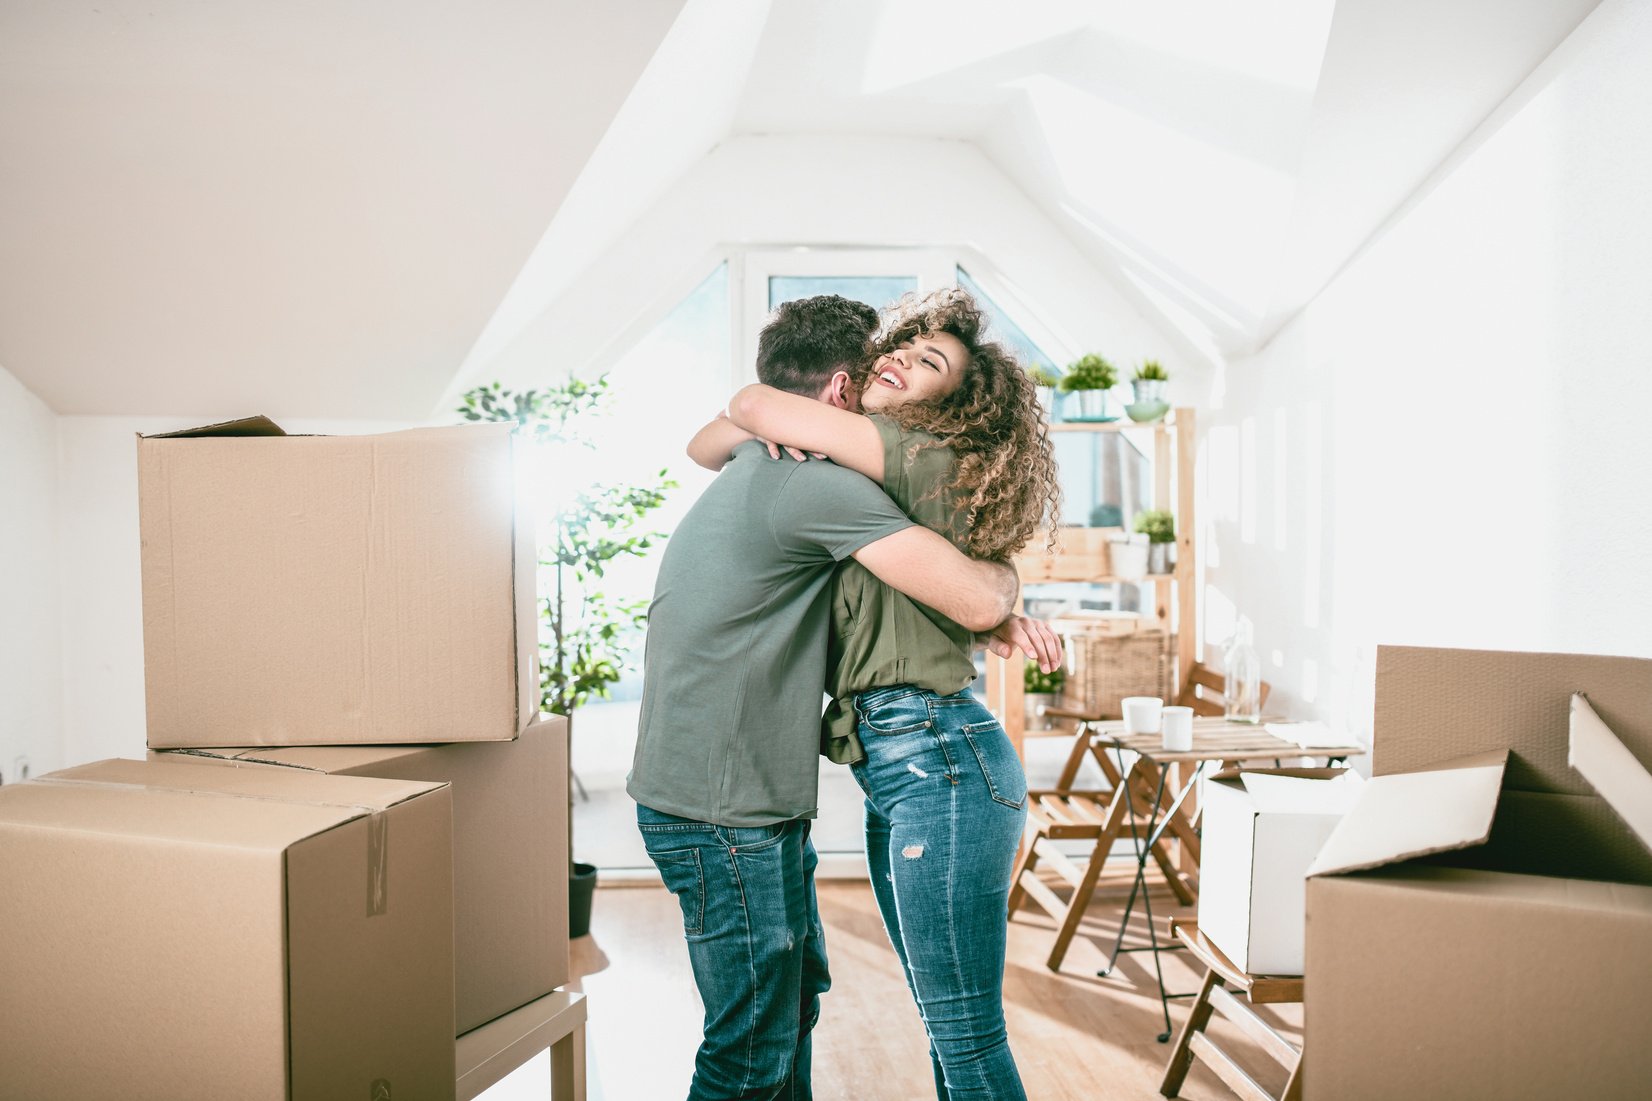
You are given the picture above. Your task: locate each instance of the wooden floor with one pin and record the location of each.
(1075, 1035)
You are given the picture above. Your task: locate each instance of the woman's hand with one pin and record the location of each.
(1033, 637)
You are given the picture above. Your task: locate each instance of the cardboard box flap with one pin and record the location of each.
(1408, 815)
(1271, 793)
(246, 426)
(1606, 763)
(1434, 705)
(142, 813)
(314, 758)
(361, 794)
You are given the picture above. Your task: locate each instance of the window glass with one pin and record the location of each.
(1003, 327)
(876, 291)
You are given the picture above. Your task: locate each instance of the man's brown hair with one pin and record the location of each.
(808, 340)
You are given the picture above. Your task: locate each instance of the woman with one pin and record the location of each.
(956, 438)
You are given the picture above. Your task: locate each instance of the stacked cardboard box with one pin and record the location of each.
(354, 619)
(1480, 923)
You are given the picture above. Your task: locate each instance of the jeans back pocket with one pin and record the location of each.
(1006, 779)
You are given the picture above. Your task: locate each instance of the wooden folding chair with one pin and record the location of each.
(1100, 816)
(1215, 996)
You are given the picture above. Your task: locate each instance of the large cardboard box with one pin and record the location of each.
(334, 590)
(171, 931)
(1480, 924)
(1261, 829)
(510, 851)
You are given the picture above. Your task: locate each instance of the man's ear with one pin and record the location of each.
(842, 392)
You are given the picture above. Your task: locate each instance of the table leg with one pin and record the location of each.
(568, 1067)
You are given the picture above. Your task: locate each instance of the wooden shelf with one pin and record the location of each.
(1081, 559)
(1111, 426)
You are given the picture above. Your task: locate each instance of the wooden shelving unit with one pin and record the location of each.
(1173, 450)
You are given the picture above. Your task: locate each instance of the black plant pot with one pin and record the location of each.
(582, 887)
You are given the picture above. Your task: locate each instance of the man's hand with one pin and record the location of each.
(1032, 637)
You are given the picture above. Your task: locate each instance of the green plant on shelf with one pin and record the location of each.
(1090, 372)
(1151, 370)
(1034, 681)
(1157, 524)
(1041, 376)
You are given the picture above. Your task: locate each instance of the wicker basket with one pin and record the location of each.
(1104, 668)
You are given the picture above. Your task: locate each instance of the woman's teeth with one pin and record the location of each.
(892, 380)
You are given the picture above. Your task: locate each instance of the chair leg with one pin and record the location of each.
(1079, 902)
(1181, 1056)
(1172, 877)
(1081, 746)
(1293, 1084)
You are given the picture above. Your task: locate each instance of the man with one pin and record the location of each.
(726, 769)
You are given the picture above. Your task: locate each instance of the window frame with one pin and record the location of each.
(749, 299)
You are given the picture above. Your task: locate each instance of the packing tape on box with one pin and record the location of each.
(378, 825)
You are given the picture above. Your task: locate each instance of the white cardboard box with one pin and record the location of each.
(1262, 829)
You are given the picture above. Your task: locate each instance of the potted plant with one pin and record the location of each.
(1045, 382)
(1149, 381)
(1090, 378)
(585, 633)
(1041, 690)
(1160, 528)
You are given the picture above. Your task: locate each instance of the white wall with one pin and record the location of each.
(1449, 445)
(102, 584)
(31, 651)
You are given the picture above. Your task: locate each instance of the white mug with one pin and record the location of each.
(1178, 728)
(1141, 714)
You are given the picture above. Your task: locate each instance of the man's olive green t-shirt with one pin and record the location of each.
(881, 637)
(735, 658)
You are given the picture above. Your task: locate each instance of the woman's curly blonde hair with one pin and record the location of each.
(1005, 470)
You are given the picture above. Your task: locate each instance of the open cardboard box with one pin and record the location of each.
(1261, 829)
(510, 850)
(335, 590)
(1480, 924)
(178, 931)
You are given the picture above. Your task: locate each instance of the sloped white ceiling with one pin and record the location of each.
(350, 209)
(301, 209)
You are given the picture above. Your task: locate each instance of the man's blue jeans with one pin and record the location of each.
(754, 938)
(945, 805)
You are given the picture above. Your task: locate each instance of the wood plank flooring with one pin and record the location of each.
(1075, 1035)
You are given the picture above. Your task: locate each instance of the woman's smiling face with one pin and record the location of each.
(926, 368)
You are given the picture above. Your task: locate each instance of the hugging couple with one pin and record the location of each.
(864, 559)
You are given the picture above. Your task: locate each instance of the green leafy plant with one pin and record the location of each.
(1157, 524)
(587, 632)
(1151, 370)
(1042, 377)
(1090, 372)
(1035, 680)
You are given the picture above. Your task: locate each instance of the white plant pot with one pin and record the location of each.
(1092, 404)
(1035, 703)
(1129, 560)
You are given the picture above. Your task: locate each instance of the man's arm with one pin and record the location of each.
(929, 569)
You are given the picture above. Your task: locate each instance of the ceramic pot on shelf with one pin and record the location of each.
(1092, 404)
(1149, 391)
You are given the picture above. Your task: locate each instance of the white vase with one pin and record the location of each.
(1129, 560)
